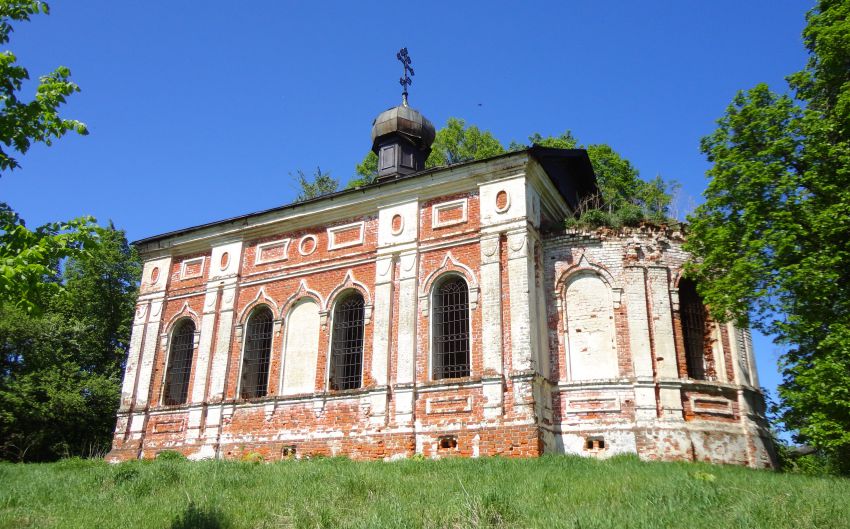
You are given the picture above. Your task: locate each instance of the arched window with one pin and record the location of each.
(179, 364)
(692, 313)
(258, 348)
(450, 329)
(347, 342)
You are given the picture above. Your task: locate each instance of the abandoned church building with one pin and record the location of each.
(441, 312)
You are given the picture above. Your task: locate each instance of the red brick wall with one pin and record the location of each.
(174, 311)
(449, 415)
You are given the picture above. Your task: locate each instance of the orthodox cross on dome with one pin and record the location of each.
(405, 81)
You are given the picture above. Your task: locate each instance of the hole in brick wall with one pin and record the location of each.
(288, 451)
(448, 442)
(595, 443)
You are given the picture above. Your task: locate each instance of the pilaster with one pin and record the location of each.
(639, 342)
(146, 361)
(143, 339)
(382, 319)
(406, 342)
(225, 265)
(491, 324)
(521, 279)
(202, 364)
(663, 341)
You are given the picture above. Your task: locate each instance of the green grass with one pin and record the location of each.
(553, 491)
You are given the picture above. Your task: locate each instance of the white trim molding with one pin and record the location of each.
(280, 243)
(449, 265)
(507, 205)
(463, 203)
(308, 237)
(187, 262)
(333, 232)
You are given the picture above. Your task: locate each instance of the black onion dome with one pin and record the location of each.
(406, 122)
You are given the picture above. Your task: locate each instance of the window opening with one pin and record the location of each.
(347, 343)
(450, 331)
(595, 443)
(179, 364)
(693, 328)
(448, 442)
(258, 347)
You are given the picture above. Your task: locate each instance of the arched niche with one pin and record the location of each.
(301, 347)
(590, 333)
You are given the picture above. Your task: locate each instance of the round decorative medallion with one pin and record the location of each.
(397, 224)
(503, 201)
(225, 260)
(154, 274)
(307, 245)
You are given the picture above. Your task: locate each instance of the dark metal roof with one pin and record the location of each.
(569, 169)
(406, 121)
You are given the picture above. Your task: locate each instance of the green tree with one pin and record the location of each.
(624, 198)
(772, 240)
(100, 291)
(29, 271)
(457, 142)
(320, 184)
(22, 123)
(66, 291)
(366, 171)
(60, 368)
(564, 141)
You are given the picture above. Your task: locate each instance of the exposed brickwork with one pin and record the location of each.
(178, 284)
(522, 396)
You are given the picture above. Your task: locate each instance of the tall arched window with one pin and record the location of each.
(347, 342)
(450, 329)
(179, 364)
(258, 348)
(692, 313)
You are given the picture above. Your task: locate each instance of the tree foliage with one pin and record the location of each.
(60, 367)
(67, 291)
(320, 184)
(24, 122)
(458, 142)
(772, 239)
(29, 259)
(624, 198)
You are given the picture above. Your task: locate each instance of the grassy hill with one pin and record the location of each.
(553, 491)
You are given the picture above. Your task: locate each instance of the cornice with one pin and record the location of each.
(356, 203)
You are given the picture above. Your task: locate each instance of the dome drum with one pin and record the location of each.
(402, 138)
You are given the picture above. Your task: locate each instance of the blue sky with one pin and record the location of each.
(201, 110)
